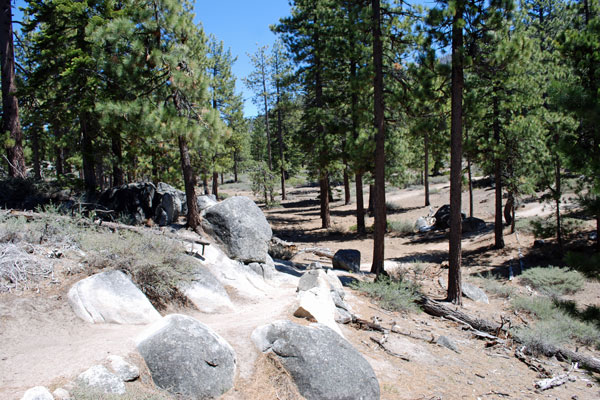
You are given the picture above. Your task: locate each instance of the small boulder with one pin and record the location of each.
(316, 304)
(241, 227)
(100, 379)
(186, 357)
(61, 394)
(472, 224)
(348, 260)
(315, 265)
(446, 342)
(37, 393)
(311, 279)
(323, 365)
(474, 293)
(342, 316)
(111, 297)
(265, 270)
(133, 199)
(124, 370)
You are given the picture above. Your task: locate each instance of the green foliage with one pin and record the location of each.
(545, 228)
(402, 226)
(553, 326)
(263, 181)
(553, 281)
(394, 295)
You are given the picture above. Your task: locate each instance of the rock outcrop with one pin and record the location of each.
(206, 293)
(127, 372)
(37, 393)
(323, 365)
(111, 297)
(241, 227)
(186, 357)
(99, 379)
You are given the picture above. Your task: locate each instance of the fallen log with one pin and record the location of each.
(321, 252)
(553, 382)
(437, 309)
(584, 361)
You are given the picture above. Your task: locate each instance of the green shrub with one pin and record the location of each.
(494, 285)
(553, 326)
(545, 228)
(553, 281)
(588, 264)
(402, 227)
(394, 295)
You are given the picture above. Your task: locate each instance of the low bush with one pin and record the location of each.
(553, 326)
(545, 228)
(494, 285)
(402, 226)
(553, 281)
(393, 295)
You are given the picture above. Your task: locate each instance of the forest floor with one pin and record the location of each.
(43, 343)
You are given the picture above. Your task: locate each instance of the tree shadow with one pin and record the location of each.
(589, 314)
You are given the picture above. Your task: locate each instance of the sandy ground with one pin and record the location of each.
(43, 343)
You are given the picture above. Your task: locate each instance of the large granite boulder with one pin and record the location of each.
(323, 364)
(206, 293)
(347, 259)
(186, 357)
(206, 201)
(134, 200)
(38, 393)
(169, 203)
(241, 227)
(111, 297)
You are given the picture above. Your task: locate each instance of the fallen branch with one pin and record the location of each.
(321, 252)
(590, 363)
(381, 343)
(531, 362)
(550, 383)
(396, 329)
(368, 326)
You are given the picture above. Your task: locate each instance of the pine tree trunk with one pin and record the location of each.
(59, 160)
(10, 104)
(508, 208)
(324, 191)
(371, 208)
(346, 186)
(598, 233)
(498, 225)
(87, 154)
(35, 147)
(235, 166)
(215, 185)
(117, 167)
(205, 182)
(189, 180)
(557, 196)
(378, 111)
(265, 98)
(360, 205)
(470, 176)
(426, 168)
(455, 251)
(280, 140)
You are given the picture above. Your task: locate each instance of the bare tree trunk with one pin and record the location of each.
(58, 153)
(471, 208)
(205, 182)
(378, 111)
(371, 207)
(426, 168)
(346, 186)
(222, 179)
(455, 251)
(559, 236)
(508, 208)
(280, 139)
(235, 166)
(10, 104)
(360, 206)
(215, 185)
(35, 147)
(325, 217)
(498, 225)
(598, 233)
(189, 180)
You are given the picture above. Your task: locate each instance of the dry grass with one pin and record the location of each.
(270, 381)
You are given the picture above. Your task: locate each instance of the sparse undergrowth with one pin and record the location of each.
(156, 264)
(553, 281)
(391, 294)
(494, 285)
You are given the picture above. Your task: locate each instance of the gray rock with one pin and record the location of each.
(472, 224)
(111, 297)
(124, 370)
(270, 262)
(474, 293)
(337, 300)
(37, 393)
(316, 304)
(265, 270)
(347, 259)
(102, 380)
(161, 217)
(61, 394)
(169, 203)
(446, 342)
(342, 316)
(315, 265)
(311, 279)
(323, 364)
(241, 227)
(205, 201)
(335, 284)
(186, 357)
(206, 293)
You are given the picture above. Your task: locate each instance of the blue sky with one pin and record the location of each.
(243, 26)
